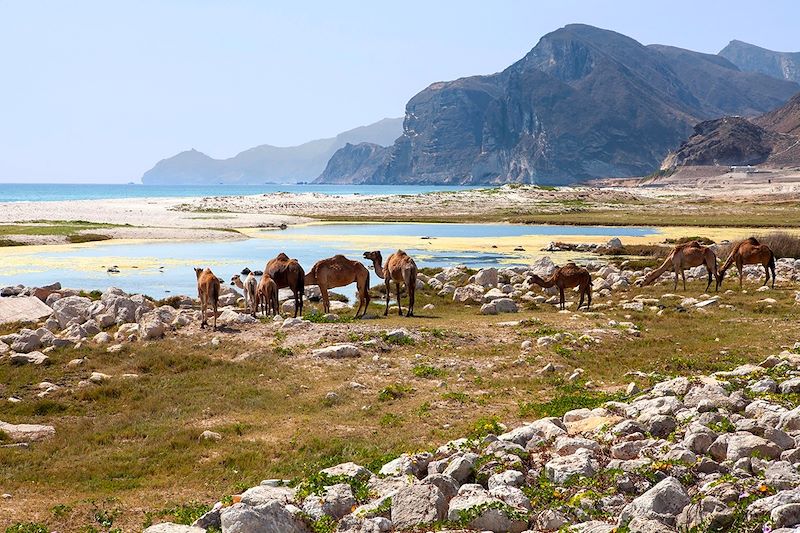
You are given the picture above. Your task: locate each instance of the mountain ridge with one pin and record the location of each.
(267, 163)
(583, 103)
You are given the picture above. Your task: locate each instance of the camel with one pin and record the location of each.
(400, 268)
(749, 252)
(249, 287)
(267, 295)
(683, 256)
(567, 277)
(208, 288)
(338, 271)
(288, 273)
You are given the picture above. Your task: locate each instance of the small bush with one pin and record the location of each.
(394, 392)
(782, 244)
(27, 527)
(427, 371)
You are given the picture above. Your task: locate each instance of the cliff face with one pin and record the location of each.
(355, 163)
(751, 58)
(583, 103)
(772, 139)
(265, 163)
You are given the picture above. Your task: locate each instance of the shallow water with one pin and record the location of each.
(162, 268)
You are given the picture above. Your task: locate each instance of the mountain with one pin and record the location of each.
(751, 58)
(772, 140)
(584, 102)
(265, 163)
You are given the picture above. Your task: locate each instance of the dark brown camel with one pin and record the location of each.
(288, 273)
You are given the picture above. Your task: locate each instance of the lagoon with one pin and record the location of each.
(159, 268)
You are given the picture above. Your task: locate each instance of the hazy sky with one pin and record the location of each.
(100, 91)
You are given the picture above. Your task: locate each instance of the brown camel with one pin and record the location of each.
(248, 286)
(399, 268)
(749, 252)
(288, 273)
(338, 271)
(267, 295)
(567, 277)
(683, 256)
(208, 288)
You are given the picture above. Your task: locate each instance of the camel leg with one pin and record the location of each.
(708, 286)
(214, 308)
(411, 294)
(773, 277)
(580, 301)
(740, 268)
(676, 281)
(202, 313)
(589, 294)
(399, 305)
(683, 277)
(326, 299)
(766, 279)
(561, 305)
(388, 290)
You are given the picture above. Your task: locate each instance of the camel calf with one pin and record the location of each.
(208, 288)
(249, 286)
(267, 295)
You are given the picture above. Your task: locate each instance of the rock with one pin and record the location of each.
(416, 505)
(782, 475)
(350, 469)
(542, 430)
(785, 515)
(26, 432)
(102, 338)
(710, 514)
(491, 514)
(551, 520)
(661, 503)
(561, 469)
(25, 341)
(472, 293)
(271, 516)
(489, 309)
(337, 351)
(765, 385)
(486, 277)
(505, 305)
(787, 387)
(262, 494)
(743, 444)
(511, 478)
(461, 467)
(98, 377)
(33, 358)
(399, 336)
(210, 435)
(169, 527)
(71, 308)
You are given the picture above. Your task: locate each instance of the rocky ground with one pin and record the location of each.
(664, 454)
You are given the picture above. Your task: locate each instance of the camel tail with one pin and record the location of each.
(214, 293)
(771, 263)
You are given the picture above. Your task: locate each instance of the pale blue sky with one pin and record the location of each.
(100, 91)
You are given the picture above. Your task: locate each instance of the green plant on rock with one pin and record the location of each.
(394, 392)
(316, 483)
(465, 516)
(427, 371)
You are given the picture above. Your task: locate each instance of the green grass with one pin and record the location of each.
(567, 397)
(427, 371)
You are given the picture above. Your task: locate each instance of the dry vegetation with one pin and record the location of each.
(127, 452)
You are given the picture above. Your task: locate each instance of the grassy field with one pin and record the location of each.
(74, 231)
(127, 453)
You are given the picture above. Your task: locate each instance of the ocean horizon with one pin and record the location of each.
(52, 192)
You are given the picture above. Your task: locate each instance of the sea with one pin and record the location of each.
(50, 192)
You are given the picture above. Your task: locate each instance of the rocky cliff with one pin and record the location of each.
(583, 103)
(772, 139)
(751, 58)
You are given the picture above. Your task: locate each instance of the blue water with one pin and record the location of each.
(45, 192)
(139, 263)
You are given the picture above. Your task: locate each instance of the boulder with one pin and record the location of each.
(26, 432)
(661, 503)
(33, 358)
(486, 277)
(262, 494)
(416, 505)
(581, 463)
(744, 444)
(483, 512)
(271, 516)
(472, 293)
(71, 308)
(337, 351)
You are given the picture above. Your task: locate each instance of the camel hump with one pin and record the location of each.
(753, 241)
(401, 252)
(282, 257)
(339, 256)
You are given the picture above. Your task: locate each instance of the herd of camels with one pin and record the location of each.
(339, 271)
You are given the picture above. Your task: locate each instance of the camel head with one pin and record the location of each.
(720, 277)
(649, 278)
(534, 279)
(237, 281)
(374, 256)
(198, 272)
